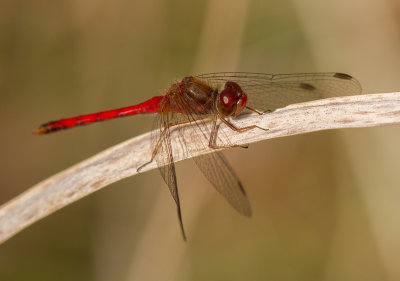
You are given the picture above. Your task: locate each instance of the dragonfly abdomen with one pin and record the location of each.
(150, 106)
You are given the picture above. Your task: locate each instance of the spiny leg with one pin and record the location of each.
(213, 134)
(154, 152)
(236, 129)
(254, 110)
(232, 127)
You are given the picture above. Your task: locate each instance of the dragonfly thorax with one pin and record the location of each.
(192, 95)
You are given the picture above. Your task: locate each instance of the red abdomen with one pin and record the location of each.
(150, 106)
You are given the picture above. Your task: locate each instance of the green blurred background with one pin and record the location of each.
(325, 205)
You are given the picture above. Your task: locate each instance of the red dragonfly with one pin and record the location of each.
(207, 101)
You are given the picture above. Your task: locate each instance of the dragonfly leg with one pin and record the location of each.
(154, 152)
(254, 110)
(236, 129)
(213, 134)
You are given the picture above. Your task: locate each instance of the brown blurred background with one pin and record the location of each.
(325, 205)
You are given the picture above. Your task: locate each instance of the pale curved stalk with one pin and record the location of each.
(122, 160)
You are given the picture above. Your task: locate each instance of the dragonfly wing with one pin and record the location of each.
(272, 91)
(214, 166)
(193, 134)
(165, 160)
(222, 176)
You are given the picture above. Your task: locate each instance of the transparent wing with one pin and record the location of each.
(222, 176)
(272, 91)
(265, 92)
(214, 166)
(161, 140)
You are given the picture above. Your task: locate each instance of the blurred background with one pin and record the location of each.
(325, 205)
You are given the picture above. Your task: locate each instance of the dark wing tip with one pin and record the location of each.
(307, 86)
(343, 76)
(247, 213)
(181, 222)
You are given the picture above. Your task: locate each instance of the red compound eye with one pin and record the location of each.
(231, 100)
(228, 97)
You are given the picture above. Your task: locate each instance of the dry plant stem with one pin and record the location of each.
(122, 160)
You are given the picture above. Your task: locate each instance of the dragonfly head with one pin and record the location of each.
(232, 100)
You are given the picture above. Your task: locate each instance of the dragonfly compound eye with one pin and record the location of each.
(240, 104)
(232, 99)
(227, 102)
(227, 98)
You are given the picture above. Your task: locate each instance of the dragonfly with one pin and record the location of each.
(207, 101)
